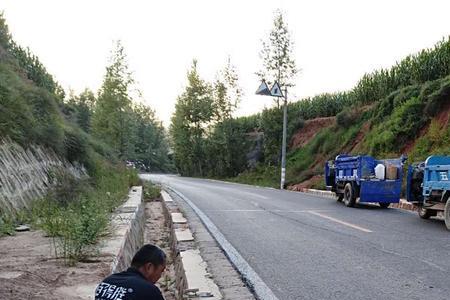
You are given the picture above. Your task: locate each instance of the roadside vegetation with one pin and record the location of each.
(411, 119)
(151, 191)
(76, 213)
(399, 110)
(97, 132)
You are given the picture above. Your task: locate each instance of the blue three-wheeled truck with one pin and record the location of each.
(380, 181)
(428, 187)
(366, 178)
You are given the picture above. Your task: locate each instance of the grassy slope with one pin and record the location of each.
(411, 120)
(75, 212)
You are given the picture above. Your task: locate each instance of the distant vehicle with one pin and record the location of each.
(428, 187)
(137, 164)
(366, 178)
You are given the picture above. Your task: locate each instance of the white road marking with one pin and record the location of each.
(340, 222)
(254, 195)
(264, 210)
(236, 210)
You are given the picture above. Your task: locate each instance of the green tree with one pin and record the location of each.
(79, 109)
(112, 120)
(226, 92)
(278, 63)
(5, 36)
(151, 147)
(226, 151)
(86, 104)
(194, 112)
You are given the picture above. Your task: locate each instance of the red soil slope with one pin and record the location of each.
(309, 130)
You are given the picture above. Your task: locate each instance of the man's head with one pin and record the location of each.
(150, 261)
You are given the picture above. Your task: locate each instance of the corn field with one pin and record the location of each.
(428, 64)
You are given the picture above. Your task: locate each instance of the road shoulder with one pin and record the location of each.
(225, 276)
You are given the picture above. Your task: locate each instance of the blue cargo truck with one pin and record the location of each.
(428, 187)
(366, 178)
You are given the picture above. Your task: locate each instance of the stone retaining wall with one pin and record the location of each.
(127, 231)
(26, 174)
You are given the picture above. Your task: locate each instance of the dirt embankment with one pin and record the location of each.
(312, 127)
(304, 136)
(309, 130)
(358, 139)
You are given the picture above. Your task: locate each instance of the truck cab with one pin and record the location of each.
(428, 187)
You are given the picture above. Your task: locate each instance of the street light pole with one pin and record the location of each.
(283, 147)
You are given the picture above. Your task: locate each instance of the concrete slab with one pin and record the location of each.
(134, 197)
(183, 235)
(126, 209)
(178, 218)
(198, 279)
(10, 275)
(166, 196)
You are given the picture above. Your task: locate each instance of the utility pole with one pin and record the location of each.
(276, 91)
(283, 147)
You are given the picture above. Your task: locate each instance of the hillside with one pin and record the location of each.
(62, 157)
(416, 124)
(32, 103)
(411, 119)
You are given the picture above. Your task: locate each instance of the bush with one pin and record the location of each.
(403, 125)
(294, 126)
(151, 191)
(262, 176)
(437, 98)
(75, 144)
(6, 225)
(76, 212)
(347, 117)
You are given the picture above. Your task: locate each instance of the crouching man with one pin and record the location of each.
(138, 282)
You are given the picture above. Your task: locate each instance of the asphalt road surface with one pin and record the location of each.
(308, 247)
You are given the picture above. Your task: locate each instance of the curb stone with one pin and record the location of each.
(231, 258)
(192, 278)
(403, 204)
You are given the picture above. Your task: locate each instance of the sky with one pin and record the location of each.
(335, 42)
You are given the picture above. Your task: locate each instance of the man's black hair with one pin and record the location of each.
(148, 254)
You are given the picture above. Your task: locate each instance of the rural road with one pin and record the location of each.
(307, 247)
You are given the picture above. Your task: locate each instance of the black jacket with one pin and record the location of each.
(128, 285)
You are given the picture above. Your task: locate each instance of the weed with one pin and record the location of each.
(76, 212)
(6, 225)
(151, 191)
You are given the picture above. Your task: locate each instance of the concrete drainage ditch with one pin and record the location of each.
(128, 228)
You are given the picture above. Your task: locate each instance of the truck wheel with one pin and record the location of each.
(447, 214)
(426, 213)
(340, 197)
(349, 197)
(383, 204)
